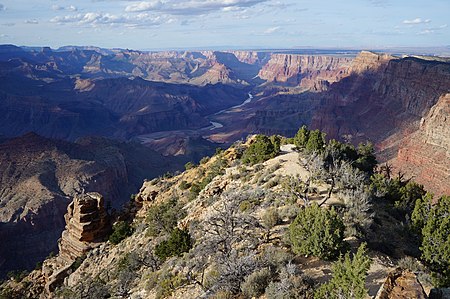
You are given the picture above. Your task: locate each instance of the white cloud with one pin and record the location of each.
(33, 21)
(432, 30)
(416, 21)
(144, 6)
(69, 8)
(97, 19)
(191, 7)
(272, 30)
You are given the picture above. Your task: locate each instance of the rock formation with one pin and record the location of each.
(401, 284)
(39, 176)
(425, 154)
(310, 72)
(87, 224)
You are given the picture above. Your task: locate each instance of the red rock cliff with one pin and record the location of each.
(311, 72)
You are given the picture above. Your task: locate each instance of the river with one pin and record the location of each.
(216, 125)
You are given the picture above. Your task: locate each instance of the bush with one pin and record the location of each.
(348, 278)
(184, 185)
(166, 286)
(301, 138)
(270, 218)
(409, 194)
(121, 230)
(317, 231)
(204, 160)
(262, 149)
(291, 285)
(436, 241)
(164, 217)
(189, 165)
(178, 242)
(255, 284)
(421, 211)
(316, 141)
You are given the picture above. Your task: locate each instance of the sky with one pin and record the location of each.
(246, 24)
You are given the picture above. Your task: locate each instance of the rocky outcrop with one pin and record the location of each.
(425, 154)
(401, 284)
(87, 224)
(307, 71)
(38, 176)
(369, 62)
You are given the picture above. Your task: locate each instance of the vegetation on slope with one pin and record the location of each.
(254, 222)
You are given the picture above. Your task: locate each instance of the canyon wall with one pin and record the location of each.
(425, 154)
(39, 176)
(307, 71)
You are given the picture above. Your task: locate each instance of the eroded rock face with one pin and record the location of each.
(426, 154)
(87, 224)
(311, 72)
(401, 284)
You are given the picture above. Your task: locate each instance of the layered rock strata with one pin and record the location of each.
(311, 72)
(425, 155)
(87, 224)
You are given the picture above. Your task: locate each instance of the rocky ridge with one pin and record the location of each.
(129, 268)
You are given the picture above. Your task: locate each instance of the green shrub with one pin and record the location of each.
(164, 217)
(262, 149)
(189, 165)
(77, 263)
(366, 157)
(316, 141)
(178, 242)
(348, 278)
(409, 194)
(436, 241)
(317, 231)
(184, 185)
(421, 212)
(270, 218)
(255, 284)
(204, 160)
(121, 230)
(301, 138)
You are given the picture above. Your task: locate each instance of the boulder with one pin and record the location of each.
(401, 284)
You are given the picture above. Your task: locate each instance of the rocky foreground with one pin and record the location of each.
(234, 220)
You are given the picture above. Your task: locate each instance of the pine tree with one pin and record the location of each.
(348, 278)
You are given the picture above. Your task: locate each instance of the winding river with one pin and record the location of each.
(216, 125)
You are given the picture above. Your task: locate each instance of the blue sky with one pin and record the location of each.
(158, 24)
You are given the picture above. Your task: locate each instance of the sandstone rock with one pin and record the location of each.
(425, 154)
(87, 224)
(401, 284)
(310, 72)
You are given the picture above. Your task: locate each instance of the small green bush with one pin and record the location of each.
(348, 278)
(189, 165)
(121, 230)
(262, 149)
(318, 232)
(178, 242)
(255, 284)
(184, 185)
(164, 216)
(270, 218)
(436, 242)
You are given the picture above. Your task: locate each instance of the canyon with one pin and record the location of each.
(167, 101)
